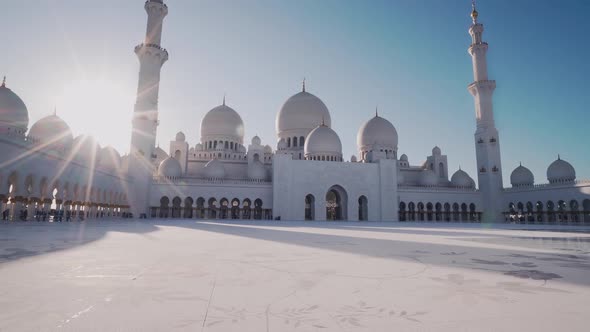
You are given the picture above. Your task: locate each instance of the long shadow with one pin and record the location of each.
(571, 265)
(40, 239)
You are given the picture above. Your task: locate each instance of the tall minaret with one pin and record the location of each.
(487, 140)
(145, 116)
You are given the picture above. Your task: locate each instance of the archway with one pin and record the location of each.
(247, 209)
(224, 208)
(164, 207)
(402, 211)
(336, 203)
(586, 207)
(176, 201)
(188, 208)
(212, 208)
(258, 209)
(235, 208)
(309, 207)
(539, 206)
(421, 211)
(455, 211)
(363, 208)
(412, 211)
(201, 207)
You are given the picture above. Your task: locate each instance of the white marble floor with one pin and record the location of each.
(168, 275)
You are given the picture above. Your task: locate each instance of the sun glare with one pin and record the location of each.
(99, 108)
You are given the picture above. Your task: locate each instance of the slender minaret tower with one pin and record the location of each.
(145, 116)
(487, 140)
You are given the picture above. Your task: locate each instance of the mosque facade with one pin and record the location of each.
(46, 173)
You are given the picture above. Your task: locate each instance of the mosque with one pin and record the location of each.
(47, 173)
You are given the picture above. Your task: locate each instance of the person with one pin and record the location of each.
(5, 214)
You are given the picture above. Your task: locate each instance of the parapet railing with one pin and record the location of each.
(192, 180)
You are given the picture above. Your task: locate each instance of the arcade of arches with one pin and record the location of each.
(561, 211)
(211, 208)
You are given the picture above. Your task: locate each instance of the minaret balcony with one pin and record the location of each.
(481, 85)
(152, 50)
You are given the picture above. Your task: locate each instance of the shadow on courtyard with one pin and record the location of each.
(571, 263)
(26, 239)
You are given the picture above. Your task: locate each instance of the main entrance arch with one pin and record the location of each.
(336, 203)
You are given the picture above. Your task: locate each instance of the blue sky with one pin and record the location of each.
(408, 57)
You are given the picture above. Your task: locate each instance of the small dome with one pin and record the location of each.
(222, 121)
(199, 147)
(436, 151)
(462, 180)
(302, 111)
(428, 178)
(110, 159)
(404, 157)
(323, 140)
(180, 137)
(282, 144)
(267, 149)
(256, 171)
(51, 130)
(256, 141)
(377, 131)
(170, 168)
(522, 176)
(214, 169)
(353, 159)
(86, 148)
(560, 171)
(13, 112)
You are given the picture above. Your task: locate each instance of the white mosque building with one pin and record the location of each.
(45, 172)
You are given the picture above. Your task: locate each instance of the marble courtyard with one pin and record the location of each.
(174, 275)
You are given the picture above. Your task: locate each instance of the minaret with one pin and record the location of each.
(145, 116)
(487, 140)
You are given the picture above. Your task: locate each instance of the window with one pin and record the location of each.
(294, 141)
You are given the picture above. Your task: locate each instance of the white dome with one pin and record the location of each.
(560, 171)
(51, 130)
(214, 169)
(428, 178)
(13, 112)
(323, 140)
(222, 121)
(377, 131)
(110, 159)
(199, 147)
(170, 167)
(302, 111)
(462, 180)
(86, 148)
(522, 176)
(436, 151)
(256, 171)
(353, 159)
(404, 157)
(256, 141)
(267, 149)
(180, 137)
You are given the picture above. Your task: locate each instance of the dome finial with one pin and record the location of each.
(224, 99)
(474, 12)
(303, 85)
(459, 167)
(55, 110)
(377, 111)
(4, 81)
(520, 162)
(558, 157)
(323, 123)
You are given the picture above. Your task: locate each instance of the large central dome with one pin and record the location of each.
(303, 111)
(222, 122)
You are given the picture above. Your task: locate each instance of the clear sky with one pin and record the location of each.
(408, 57)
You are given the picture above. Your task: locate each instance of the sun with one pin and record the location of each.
(99, 108)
